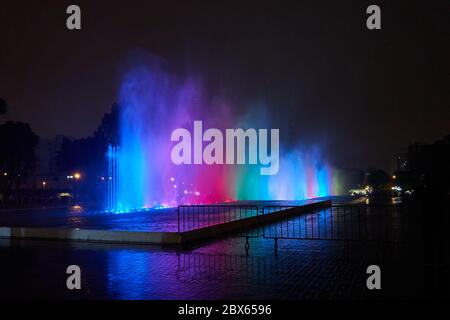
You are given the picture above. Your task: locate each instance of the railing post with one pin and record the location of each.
(178, 212)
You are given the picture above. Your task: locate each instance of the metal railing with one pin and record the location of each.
(213, 266)
(347, 223)
(381, 224)
(200, 216)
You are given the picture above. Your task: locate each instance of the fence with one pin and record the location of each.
(200, 216)
(346, 223)
(383, 224)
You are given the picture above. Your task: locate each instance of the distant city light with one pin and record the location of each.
(77, 175)
(64, 194)
(172, 179)
(44, 184)
(394, 177)
(5, 173)
(358, 192)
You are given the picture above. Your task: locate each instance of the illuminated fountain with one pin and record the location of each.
(142, 175)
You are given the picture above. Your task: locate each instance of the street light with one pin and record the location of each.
(77, 175)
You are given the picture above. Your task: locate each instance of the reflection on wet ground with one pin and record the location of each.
(217, 269)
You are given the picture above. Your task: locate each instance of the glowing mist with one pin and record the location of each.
(142, 175)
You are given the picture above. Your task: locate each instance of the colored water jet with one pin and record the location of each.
(141, 174)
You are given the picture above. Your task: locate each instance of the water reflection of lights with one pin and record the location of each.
(396, 200)
(216, 266)
(77, 208)
(136, 274)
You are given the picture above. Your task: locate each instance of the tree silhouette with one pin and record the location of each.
(88, 155)
(17, 152)
(108, 130)
(3, 106)
(377, 178)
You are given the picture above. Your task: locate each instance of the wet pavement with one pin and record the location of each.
(302, 269)
(289, 268)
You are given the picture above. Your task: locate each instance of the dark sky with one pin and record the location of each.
(362, 95)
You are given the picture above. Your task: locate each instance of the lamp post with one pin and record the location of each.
(75, 176)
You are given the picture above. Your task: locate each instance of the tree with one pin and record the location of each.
(108, 130)
(377, 178)
(430, 162)
(90, 151)
(17, 152)
(88, 155)
(3, 106)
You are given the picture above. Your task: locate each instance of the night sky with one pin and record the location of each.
(362, 95)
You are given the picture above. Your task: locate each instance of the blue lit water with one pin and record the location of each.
(91, 217)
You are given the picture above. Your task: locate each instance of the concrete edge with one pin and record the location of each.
(110, 236)
(154, 238)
